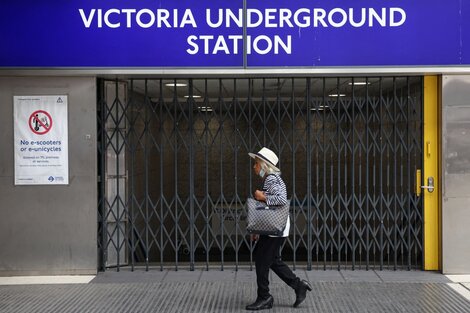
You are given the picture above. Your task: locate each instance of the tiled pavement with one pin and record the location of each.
(231, 291)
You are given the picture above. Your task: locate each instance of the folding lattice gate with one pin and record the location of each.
(174, 169)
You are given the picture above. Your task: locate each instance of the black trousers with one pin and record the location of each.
(268, 256)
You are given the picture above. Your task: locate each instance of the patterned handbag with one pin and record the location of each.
(266, 220)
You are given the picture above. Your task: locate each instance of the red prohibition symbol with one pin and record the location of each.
(40, 122)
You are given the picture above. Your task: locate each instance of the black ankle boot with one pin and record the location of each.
(301, 292)
(261, 304)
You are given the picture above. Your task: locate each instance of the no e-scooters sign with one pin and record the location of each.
(41, 140)
(40, 122)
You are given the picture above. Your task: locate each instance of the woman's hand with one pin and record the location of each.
(259, 195)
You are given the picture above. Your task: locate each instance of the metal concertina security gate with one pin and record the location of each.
(175, 172)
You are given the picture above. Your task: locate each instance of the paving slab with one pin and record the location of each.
(413, 276)
(246, 276)
(227, 276)
(360, 276)
(46, 280)
(459, 278)
(325, 276)
(182, 276)
(125, 276)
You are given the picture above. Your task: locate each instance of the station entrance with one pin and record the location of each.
(175, 172)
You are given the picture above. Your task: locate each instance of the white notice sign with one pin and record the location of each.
(41, 140)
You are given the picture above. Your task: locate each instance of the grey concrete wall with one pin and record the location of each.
(456, 174)
(48, 230)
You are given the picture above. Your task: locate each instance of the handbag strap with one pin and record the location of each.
(277, 178)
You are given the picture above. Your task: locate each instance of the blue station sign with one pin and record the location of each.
(235, 33)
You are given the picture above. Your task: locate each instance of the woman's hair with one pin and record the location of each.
(266, 168)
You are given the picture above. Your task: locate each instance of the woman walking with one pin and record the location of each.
(268, 254)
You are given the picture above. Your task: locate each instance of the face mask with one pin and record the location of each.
(261, 173)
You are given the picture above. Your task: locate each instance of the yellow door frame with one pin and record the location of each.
(431, 153)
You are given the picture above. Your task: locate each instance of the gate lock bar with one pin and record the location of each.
(429, 187)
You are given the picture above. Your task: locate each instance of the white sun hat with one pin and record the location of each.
(266, 155)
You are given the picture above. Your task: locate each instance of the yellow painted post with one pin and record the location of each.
(431, 200)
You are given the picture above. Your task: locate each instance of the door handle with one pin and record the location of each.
(430, 186)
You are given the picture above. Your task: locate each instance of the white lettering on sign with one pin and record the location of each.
(260, 44)
(237, 19)
(144, 18)
(304, 17)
